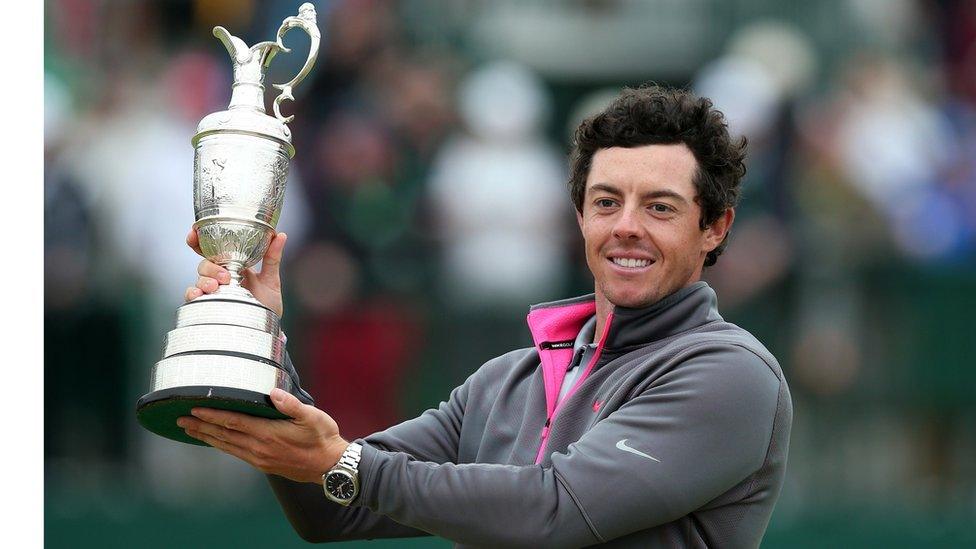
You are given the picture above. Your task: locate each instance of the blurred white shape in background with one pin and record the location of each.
(766, 64)
(891, 140)
(504, 101)
(743, 90)
(784, 51)
(499, 194)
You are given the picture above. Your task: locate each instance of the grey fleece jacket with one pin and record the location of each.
(675, 435)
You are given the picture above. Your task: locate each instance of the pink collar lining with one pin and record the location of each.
(552, 324)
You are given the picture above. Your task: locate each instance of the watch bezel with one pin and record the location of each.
(351, 475)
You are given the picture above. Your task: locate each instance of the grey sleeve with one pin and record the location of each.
(316, 519)
(433, 436)
(703, 427)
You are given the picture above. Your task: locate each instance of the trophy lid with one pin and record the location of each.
(246, 112)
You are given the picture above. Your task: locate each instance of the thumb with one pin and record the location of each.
(288, 404)
(272, 257)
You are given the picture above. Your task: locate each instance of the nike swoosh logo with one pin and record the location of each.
(623, 446)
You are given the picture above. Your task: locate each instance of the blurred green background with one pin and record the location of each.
(426, 209)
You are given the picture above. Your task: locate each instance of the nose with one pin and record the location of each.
(626, 226)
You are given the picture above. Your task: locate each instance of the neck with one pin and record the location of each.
(603, 309)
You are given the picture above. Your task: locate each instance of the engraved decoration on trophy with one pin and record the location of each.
(227, 348)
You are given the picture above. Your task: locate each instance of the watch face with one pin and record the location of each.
(340, 485)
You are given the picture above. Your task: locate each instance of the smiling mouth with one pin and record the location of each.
(630, 263)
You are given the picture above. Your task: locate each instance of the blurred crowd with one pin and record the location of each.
(427, 207)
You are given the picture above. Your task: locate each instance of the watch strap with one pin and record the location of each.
(350, 458)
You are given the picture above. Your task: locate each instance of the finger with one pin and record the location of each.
(207, 285)
(212, 270)
(223, 446)
(235, 438)
(289, 404)
(193, 241)
(272, 258)
(192, 293)
(257, 427)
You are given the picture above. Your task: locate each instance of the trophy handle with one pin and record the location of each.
(305, 20)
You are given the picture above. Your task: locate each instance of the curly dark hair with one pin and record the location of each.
(654, 114)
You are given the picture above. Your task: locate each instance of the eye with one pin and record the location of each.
(661, 208)
(604, 203)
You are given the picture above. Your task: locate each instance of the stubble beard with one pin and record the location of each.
(628, 300)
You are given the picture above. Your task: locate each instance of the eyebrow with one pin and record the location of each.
(661, 193)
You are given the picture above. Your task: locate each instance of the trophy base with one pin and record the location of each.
(159, 410)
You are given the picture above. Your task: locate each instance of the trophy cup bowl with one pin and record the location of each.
(238, 190)
(227, 350)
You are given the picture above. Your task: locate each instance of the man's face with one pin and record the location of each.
(640, 223)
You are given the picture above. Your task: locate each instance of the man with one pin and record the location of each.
(640, 418)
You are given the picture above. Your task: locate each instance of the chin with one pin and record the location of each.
(633, 300)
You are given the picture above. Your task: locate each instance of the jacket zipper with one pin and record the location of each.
(545, 431)
(589, 367)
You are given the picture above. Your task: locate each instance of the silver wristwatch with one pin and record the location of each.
(341, 482)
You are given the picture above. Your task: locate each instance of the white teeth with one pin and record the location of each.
(632, 263)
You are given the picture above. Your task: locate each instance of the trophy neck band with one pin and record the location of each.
(247, 95)
(235, 268)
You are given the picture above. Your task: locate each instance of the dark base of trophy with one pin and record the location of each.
(159, 410)
(225, 353)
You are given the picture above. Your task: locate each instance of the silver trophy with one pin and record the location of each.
(227, 349)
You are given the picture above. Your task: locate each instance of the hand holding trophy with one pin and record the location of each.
(227, 350)
(264, 285)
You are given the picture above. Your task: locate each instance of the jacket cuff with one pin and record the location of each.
(368, 461)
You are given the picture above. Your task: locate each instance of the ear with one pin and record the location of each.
(715, 233)
(579, 220)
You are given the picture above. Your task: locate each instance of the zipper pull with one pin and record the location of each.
(545, 428)
(577, 359)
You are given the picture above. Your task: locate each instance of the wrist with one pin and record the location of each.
(334, 452)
